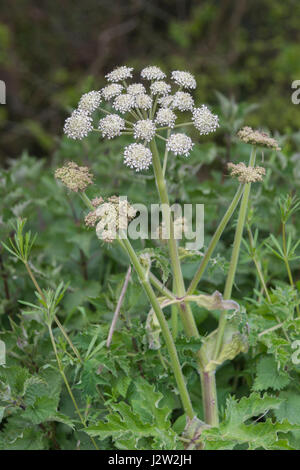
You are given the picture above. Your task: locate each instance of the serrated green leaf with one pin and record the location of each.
(269, 376)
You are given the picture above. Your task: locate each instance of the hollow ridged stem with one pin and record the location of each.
(186, 313)
(160, 287)
(185, 398)
(217, 235)
(235, 254)
(209, 397)
(286, 262)
(174, 317)
(209, 394)
(166, 155)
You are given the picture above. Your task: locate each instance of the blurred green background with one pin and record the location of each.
(54, 50)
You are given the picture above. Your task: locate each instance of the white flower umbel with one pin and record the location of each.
(112, 90)
(182, 101)
(166, 101)
(124, 103)
(136, 89)
(119, 74)
(160, 88)
(180, 144)
(78, 125)
(89, 102)
(143, 101)
(165, 117)
(144, 130)
(111, 126)
(152, 73)
(204, 120)
(184, 79)
(138, 157)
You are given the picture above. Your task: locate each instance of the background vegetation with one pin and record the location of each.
(54, 50)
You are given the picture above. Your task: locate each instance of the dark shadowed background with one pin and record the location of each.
(54, 50)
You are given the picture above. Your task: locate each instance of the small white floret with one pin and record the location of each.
(138, 157)
(111, 91)
(144, 130)
(78, 125)
(184, 79)
(152, 73)
(111, 126)
(204, 120)
(119, 74)
(89, 102)
(180, 144)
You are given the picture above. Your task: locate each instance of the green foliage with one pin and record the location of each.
(126, 394)
(242, 426)
(142, 420)
(268, 375)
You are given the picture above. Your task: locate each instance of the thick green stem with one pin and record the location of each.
(166, 155)
(185, 398)
(186, 313)
(214, 240)
(160, 287)
(174, 317)
(235, 255)
(209, 397)
(286, 262)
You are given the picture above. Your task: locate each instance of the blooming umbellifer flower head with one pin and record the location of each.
(78, 125)
(160, 88)
(246, 174)
(152, 73)
(165, 117)
(138, 157)
(111, 91)
(144, 130)
(182, 101)
(124, 103)
(111, 126)
(136, 89)
(143, 101)
(204, 120)
(248, 135)
(180, 144)
(151, 107)
(119, 74)
(184, 79)
(89, 102)
(77, 178)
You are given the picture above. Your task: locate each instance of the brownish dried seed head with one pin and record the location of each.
(76, 178)
(246, 174)
(97, 201)
(250, 136)
(91, 219)
(114, 212)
